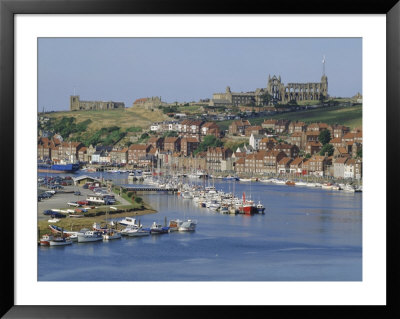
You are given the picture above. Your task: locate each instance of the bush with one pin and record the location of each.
(138, 200)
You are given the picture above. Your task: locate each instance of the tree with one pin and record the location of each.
(208, 141)
(359, 153)
(324, 137)
(327, 148)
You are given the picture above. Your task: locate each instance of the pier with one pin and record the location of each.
(150, 189)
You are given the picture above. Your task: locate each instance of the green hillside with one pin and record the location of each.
(346, 115)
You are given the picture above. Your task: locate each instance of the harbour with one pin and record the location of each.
(305, 233)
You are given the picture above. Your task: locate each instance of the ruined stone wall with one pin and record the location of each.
(77, 105)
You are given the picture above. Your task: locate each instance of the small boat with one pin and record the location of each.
(187, 195)
(349, 188)
(174, 224)
(189, 225)
(158, 229)
(290, 183)
(224, 210)
(53, 220)
(75, 204)
(260, 208)
(128, 221)
(245, 179)
(111, 234)
(138, 232)
(97, 227)
(60, 241)
(89, 236)
(45, 240)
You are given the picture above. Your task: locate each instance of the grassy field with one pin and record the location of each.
(123, 118)
(350, 116)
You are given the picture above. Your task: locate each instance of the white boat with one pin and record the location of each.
(245, 179)
(73, 204)
(111, 234)
(60, 241)
(349, 188)
(128, 221)
(138, 232)
(187, 195)
(53, 220)
(301, 184)
(45, 240)
(224, 210)
(189, 225)
(89, 236)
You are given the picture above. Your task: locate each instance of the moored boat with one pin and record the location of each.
(111, 234)
(260, 208)
(60, 241)
(45, 240)
(158, 229)
(138, 232)
(128, 221)
(189, 225)
(89, 236)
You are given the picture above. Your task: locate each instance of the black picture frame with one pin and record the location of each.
(8, 10)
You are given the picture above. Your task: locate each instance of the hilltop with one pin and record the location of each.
(123, 118)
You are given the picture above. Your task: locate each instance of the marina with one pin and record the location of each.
(303, 233)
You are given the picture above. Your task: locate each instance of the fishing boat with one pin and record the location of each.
(128, 221)
(97, 227)
(174, 224)
(260, 208)
(290, 183)
(60, 241)
(45, 240)
(138, 232)
(158, 229)
(247, 206)
(111, 234)
(245, 179)
(189, 225)
(89, 236)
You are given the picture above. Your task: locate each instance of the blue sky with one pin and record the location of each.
(188, 69)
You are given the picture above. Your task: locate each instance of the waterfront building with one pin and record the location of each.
(295, 167)
(136, 152)
(215, 155)
(156, 142)
(349, 168)
(317, 165)
(338, 167)
(283, 166)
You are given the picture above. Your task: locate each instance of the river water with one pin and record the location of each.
(306, 234)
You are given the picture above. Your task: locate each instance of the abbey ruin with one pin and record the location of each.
(77, 105)
(276, 92)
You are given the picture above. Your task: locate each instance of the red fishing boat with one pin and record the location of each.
(248, 206)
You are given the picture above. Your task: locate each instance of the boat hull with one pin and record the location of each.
(82, 239)
(60, 243)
